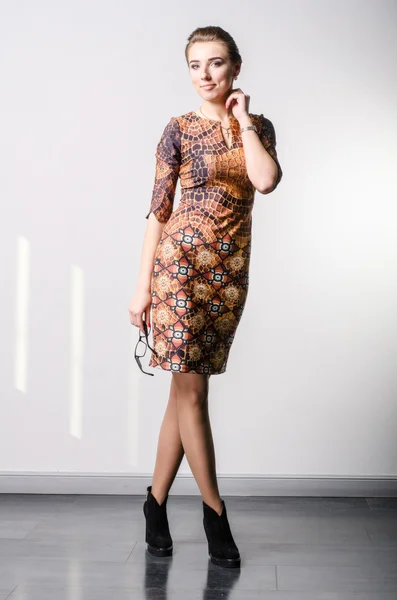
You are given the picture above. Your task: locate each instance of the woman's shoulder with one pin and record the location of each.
(179, 123)
(260, 119)
(180, 118)
(187, 117)
(186, 122)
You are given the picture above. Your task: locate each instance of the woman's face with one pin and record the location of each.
(209, 65)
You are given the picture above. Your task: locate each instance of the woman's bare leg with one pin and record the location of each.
(170, 451)
(196, 435)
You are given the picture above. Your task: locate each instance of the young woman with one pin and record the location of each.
(194, 271)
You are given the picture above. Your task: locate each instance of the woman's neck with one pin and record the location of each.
(215, 111)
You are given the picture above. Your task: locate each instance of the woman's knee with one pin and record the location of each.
(191, 388)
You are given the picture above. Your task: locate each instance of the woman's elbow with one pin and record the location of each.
(271, 184)
(268, 186)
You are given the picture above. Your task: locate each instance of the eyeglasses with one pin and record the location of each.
(141, 347)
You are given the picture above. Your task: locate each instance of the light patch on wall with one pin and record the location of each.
(76, 351)
(21, 314)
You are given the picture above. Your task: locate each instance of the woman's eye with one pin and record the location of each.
(216, 63)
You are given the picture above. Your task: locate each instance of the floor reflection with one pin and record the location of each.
(157, 570)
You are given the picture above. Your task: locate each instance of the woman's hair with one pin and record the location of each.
(214, 34)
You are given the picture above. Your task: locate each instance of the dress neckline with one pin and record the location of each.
(231, 117)
(233, 124)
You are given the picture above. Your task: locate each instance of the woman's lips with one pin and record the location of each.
(210, 85)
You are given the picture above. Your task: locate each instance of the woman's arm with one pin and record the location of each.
(141, 301)
(263, 166)
(168, 159)
(152, 237)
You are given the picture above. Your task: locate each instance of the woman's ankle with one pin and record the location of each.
(158, 495)
(216, 505)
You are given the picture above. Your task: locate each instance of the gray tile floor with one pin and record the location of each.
(92, 548)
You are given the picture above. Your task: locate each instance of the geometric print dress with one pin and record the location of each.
(200, 276)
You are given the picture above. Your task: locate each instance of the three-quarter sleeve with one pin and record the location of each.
(267, 135)
(168, 161)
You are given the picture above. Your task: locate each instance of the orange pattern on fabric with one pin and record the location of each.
(200, 276)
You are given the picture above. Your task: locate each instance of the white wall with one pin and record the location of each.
(86, 89)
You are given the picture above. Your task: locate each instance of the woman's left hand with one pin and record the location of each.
(240, 103)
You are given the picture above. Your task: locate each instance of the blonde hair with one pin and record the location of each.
(214, 34)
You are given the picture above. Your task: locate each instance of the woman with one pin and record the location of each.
(195, 268)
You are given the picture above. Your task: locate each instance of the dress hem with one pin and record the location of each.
(212, 372)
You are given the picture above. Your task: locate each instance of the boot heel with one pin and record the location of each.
(222, 549)
(157, 535)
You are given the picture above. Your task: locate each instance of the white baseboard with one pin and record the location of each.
(92, 483)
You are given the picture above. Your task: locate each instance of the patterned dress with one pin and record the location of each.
(200, 277)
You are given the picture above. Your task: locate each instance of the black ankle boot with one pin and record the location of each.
(222, 549)
(158, 536)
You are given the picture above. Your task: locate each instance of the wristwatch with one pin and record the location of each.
(249, 127)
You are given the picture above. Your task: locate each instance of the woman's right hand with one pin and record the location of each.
(139, 306)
